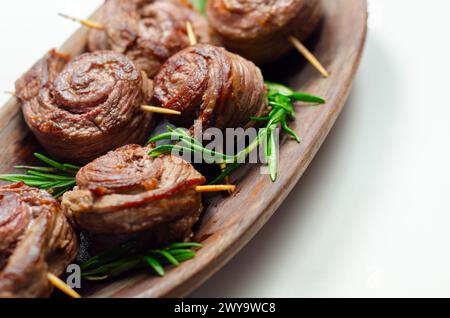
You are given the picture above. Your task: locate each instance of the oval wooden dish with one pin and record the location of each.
(230, 222)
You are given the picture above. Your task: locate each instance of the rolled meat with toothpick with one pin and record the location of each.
(263, 31)
(211, 87)
(82, 108)
(148, 32)
(128, 192)
(37, 243)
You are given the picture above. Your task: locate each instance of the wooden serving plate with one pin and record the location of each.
(230, 222)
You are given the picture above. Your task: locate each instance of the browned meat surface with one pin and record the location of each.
(147, 31)
(258, 29)
(210, 84)
(81, 109)
(128, 192)
(35, 239)
(157, 236)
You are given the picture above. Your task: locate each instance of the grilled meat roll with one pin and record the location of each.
(259, 29)
(148, 32)
(35, 239)
(81, 109)
(127, 192)
(218, 88)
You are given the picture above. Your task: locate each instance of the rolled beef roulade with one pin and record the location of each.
(81, 109)
(259, 29)
(212, 86)
(148, 32)
(128, 192)
(36, 239)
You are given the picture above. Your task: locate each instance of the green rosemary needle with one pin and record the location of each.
(57, 178)
(200, 5)
(281, 99)
(125, 258)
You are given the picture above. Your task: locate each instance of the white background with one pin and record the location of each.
(371, 216)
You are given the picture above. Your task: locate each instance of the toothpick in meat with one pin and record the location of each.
(308, 55)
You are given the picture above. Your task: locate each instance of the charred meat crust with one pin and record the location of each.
(218, 88)
(148, 32)
(258, 29)
(81, 109)
(36, 239)
(127, 192)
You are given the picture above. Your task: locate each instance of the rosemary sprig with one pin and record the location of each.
(200, 5)
(57, 178)
(281, 99)
(125, 258)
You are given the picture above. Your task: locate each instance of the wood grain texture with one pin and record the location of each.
(230, 222)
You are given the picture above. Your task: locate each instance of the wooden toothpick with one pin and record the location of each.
(159, 110)
(62, 286)
(308, 55)
(215, 188)
(191, 33)
(88, 23)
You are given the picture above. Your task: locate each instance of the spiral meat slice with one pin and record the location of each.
(35, 239)
(127, 192)
(148, 32)
(81, 109)
(208, 83)
(259, 29)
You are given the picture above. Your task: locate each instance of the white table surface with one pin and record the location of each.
(371, 216)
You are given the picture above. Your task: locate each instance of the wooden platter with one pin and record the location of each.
(230, 222)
